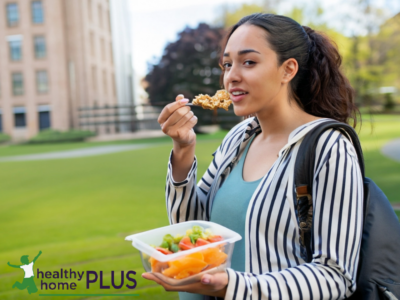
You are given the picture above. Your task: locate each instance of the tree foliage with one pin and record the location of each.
(232, 17)
(189, 66)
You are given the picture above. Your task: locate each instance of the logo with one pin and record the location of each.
(28, 282)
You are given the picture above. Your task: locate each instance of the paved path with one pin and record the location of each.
(92, 151)
(392, 149)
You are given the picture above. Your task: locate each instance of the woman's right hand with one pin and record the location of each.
(177, 121)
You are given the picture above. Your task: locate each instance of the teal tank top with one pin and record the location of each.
(229, 209)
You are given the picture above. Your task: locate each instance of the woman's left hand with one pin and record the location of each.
(210, 285)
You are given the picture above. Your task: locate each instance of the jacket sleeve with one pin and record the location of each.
(186, 200)
(337, 233)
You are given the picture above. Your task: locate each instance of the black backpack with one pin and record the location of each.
(378, 274)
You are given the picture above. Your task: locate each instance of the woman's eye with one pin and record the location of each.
(226, 65)
(249, 62)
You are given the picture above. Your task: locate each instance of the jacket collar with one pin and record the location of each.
(254, 127)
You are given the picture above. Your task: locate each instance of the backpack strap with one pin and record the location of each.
(304, 177)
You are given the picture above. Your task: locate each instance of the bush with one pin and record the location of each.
(54, 136)
(4, 138)
(389, 102)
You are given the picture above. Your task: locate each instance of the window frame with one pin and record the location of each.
(23, 124)
(34, 9)
(10, 48)
(16, 23)
(13, 87)
(38, 83)
(35, 48)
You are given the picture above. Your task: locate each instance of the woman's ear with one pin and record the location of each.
(290, 68)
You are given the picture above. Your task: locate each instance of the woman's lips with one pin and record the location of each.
(237, 98)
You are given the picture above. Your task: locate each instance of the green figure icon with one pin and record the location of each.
(28, 282)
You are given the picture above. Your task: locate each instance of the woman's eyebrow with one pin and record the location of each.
(241, 52)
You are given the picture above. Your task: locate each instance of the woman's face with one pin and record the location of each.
(251, 72)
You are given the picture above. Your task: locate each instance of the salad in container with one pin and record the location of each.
(181, 253)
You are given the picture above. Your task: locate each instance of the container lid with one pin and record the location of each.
(143, 240)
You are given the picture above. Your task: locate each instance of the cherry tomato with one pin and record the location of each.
(163, 250)
(201, 242)
(215, 238)
(186, 244)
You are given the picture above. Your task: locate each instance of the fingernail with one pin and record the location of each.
(144, 275)
(205, 280)
(183, 101)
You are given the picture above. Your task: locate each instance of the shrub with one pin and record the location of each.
(4, 138)
(389, 102)
(54, 136)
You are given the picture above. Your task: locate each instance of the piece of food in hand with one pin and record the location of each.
(221, 99)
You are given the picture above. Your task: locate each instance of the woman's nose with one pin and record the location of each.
(233, 74)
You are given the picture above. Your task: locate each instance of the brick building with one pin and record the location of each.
(55, 56)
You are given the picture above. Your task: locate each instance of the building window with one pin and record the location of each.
(113, 85)
(12, 14)
(44, 117)
(15, 50)
(94, 78)
(100, 17)
(103, 55)
(17, 84)
(92, 44)
(105, 82)
(19, 116)
(90, 10)
(111, 54)
(37, 12)
(108, 21)
(42, 82)
(40, 46)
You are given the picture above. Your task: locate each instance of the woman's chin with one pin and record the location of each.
(241, 112)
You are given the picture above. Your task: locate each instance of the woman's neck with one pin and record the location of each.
(279, 121)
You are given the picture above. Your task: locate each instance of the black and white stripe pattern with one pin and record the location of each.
(274, 267)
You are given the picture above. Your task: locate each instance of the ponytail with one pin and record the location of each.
(319, 87)
(324, 90)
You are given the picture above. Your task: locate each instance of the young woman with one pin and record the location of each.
(287, 78)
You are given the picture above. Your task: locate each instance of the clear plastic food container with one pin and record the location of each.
(193, 263)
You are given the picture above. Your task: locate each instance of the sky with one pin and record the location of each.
(157, 22)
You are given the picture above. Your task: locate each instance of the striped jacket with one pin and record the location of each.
(274, 267)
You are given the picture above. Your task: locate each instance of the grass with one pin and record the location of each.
(23, 149)
(78, 211)
(384, 171)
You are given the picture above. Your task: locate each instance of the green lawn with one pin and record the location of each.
(78, 211)
(384, 171)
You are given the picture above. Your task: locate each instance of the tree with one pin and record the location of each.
(189, 66)
(231, 17)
